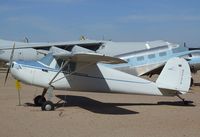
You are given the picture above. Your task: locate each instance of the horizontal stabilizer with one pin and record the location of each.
(175, 76)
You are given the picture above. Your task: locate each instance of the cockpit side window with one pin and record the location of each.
(161, 54)
(59, 63)
(141, 58)
(151, 56)
(70, 67)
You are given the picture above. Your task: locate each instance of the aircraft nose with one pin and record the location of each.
(12, 69)
(15, 70)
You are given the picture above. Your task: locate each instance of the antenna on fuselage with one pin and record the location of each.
(26, 40)
(184, 44)
(82, 37)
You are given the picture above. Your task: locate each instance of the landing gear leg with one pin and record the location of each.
(192, 82)
(185, 102)
(48, 105)
(40, 99)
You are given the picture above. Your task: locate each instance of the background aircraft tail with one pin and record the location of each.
(175, 77)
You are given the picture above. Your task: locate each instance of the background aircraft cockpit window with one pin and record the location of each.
(161, 54)
(185, 56)
(179, 49)
(151, 56)
(140, 58)
(47, 59)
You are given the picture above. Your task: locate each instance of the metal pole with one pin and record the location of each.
(19, 97)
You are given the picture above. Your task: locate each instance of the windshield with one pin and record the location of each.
(47, 59)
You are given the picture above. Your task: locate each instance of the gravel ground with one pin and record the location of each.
(97, 114)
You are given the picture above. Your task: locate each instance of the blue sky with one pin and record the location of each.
(120, 20)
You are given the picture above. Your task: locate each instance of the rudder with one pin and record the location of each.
(175, 76)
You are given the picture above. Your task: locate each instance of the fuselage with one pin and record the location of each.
(93, 77)
(96, 78)
(144, 62)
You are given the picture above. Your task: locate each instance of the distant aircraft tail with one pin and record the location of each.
(175, 77)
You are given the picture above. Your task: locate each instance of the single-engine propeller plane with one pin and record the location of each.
(84, 71)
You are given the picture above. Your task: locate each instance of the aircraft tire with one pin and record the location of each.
(48, 106)
(39, 100)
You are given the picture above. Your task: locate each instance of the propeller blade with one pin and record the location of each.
(12, 54)
(10, 63)
(8, 70)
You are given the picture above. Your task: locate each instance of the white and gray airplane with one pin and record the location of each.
(149, 62)
(35, 51)
(144, 58)
(84, 71)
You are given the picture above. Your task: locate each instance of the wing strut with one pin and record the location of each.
(58, 73)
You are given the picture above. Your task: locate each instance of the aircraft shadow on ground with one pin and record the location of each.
(196, 84)
(107, 108)
(94, 105)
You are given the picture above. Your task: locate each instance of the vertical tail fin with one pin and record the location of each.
(175, 76)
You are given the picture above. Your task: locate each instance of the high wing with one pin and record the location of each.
(85, 63)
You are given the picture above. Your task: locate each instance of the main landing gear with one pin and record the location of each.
(40, 100)
(48, 106)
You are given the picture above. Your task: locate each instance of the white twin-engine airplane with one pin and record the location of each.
(87, 72)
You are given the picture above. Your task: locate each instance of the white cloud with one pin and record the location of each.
(53, 1)
(159, 18)
(8, 8)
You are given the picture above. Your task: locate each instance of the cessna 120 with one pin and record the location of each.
(84, 71)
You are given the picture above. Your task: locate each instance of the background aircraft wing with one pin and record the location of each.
(153, 70)
(89, 44)
(90, 58)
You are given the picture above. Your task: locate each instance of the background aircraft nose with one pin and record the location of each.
(2, 51)
(4, 55)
